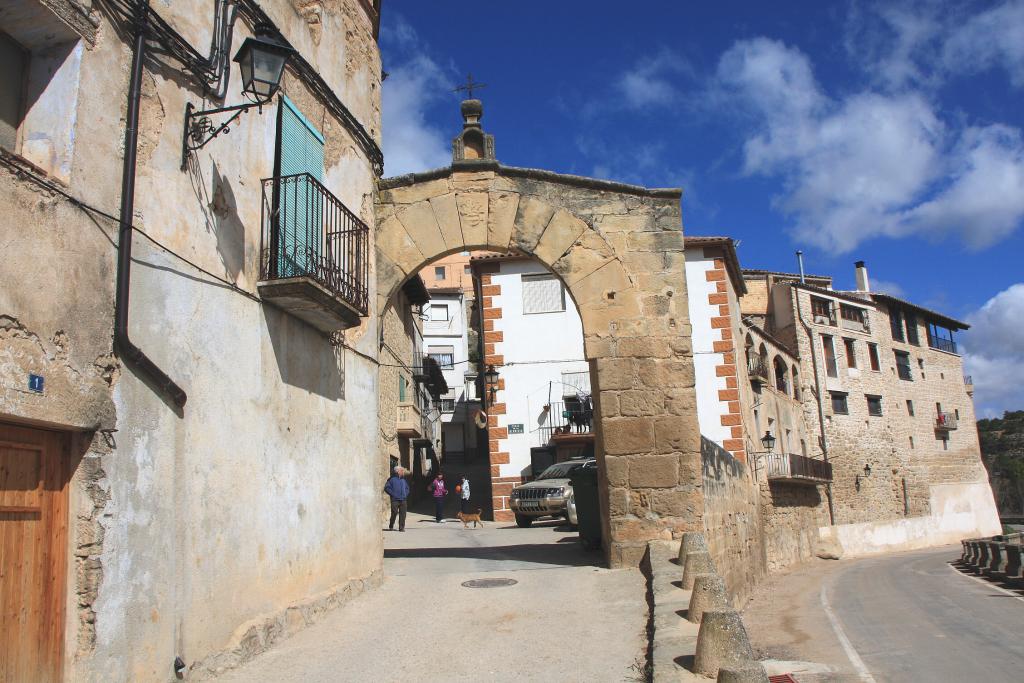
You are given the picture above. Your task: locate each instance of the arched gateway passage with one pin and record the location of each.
(619, 250)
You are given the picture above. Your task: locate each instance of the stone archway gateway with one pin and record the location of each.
(619, 251)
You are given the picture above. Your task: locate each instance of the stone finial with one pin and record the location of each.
(696, 563)
(708, 594)
(693, 541)
(722, 643)
(750, 672)
(472, 144)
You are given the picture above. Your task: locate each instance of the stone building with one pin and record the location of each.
(210, 451)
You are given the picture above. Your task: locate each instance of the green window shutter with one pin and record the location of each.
(300, 203)
(401, 387)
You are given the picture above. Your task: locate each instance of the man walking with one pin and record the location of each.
(398, 489)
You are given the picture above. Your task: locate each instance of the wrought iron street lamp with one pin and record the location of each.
(261, 60)
(768, 441)
(491, 379)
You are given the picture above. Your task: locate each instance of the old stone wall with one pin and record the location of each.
(193, 530)
(732, 520)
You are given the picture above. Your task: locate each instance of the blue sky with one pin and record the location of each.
(889, 132)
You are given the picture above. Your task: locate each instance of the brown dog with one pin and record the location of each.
(468, 517)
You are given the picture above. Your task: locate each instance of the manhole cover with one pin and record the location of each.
(489, 583)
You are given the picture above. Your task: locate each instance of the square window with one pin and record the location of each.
(438, 312)
(839, 404)
(874, 405)
(439, 272)
(542, 294)
(444, 355)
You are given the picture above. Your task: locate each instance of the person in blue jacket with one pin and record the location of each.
(398, 489)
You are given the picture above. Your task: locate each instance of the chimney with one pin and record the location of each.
(862, 277)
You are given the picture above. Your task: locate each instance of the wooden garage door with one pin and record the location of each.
(33, 533)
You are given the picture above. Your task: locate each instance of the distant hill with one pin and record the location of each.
(1002, 446)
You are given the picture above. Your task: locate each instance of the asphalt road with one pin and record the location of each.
(901, 617)
(563, 619)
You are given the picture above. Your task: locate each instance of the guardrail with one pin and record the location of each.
(997, 557)
(797, 468)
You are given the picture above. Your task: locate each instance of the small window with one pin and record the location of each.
(874, 405)
(542, 294)
(896, 324)
(821, 310)
(873, 356)
(839, 404)
(851, 353)
(903, 366)
(920, 363)
(912, 337)
(439, 272)
(402, 384)
(830, 356)
(796, 383)
(852, 313)
(956, 412)
(443, 355)
(467, 269)
(438, 312)
(910, 408)
(911, 443)
(938, 409)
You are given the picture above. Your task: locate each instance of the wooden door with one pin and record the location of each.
(33, 553)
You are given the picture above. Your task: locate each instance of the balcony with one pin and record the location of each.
(940, 344)
(409, 421)
(567, 421)
(797, 469)
(314, 254)
(945, 422)
(757, 368)
(969, 384)
(574, 383)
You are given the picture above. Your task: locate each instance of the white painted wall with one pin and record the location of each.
(537, 349)
(705, 359)
(452, 332)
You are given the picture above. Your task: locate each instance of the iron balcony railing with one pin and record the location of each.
(566, 418)
(947, 345)
(757, 368)
(308, 232)
(797, 468)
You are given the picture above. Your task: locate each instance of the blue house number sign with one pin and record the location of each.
(35, 383)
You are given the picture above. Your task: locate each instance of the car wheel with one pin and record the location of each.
(570, 513)
(524, 521)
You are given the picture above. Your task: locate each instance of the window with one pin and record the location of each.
(912, 337)
(941, 338)
(873, 357)
(911, 443)
(796, 384)
(852, 313)
(542, 294)
(956, 412)
(839, 405)
(402, 386)
(821, 310)
(830, 356)
(439, 272)
(467, 269)
(851, 353)
(447, 403)
(780, 376)
(444, 355)
(438, 312)
(874, 405)
(896, 324)
(40, 63)
(903, 366)
(910, 408)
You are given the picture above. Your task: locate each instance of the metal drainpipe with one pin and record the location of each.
(123, 346)
(817, 389)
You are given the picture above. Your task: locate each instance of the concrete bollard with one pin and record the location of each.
(1013, 562)
(975, 552)
(982, 562)
(708, 594)
(995, 558)
(722, 643)
(693, 542)
(696, 563)
(750, 672)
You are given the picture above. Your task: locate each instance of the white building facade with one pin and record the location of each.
(446, 340)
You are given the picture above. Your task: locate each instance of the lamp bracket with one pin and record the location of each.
(199, 129)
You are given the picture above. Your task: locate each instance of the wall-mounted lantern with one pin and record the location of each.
(491, 379)
(261, 60)
(867, 473)
(768, 441)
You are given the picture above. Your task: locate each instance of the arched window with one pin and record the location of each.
(796, 383)
(781, 380)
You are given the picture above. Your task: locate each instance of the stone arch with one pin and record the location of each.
(619, 251)
(780, 374)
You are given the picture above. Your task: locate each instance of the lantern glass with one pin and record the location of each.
(768, 441)
(491, 376)
(261, 62)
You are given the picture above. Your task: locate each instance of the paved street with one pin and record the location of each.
(906, 617)
(564, 620)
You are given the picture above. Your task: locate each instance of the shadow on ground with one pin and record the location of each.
(568, 555)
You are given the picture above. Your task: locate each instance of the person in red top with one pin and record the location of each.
(438, 490)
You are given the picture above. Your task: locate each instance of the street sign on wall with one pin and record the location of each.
(515, 428)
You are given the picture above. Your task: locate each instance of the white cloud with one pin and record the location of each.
(994, 38)
(887, 287)
(870, 164)
(415, 82)
(650, 81)
(994, 353)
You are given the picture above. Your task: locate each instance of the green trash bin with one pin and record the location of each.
(588, 507)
